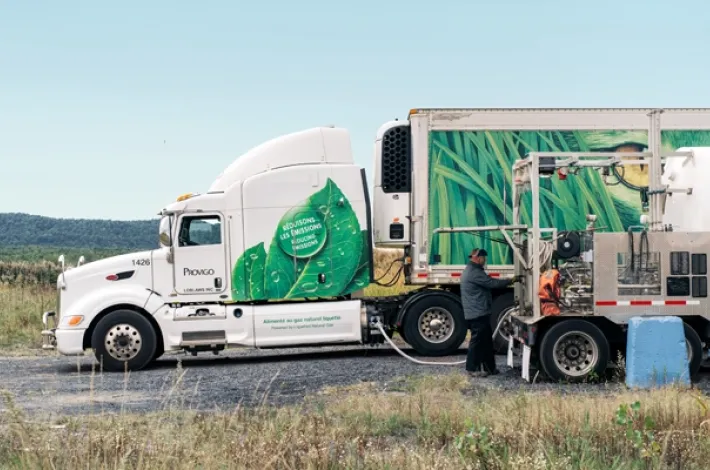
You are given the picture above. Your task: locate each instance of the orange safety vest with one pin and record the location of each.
(549, 292)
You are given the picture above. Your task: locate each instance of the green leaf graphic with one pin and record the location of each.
(324, 227)
(248, 275)
(302, 232)
(338, 259)
(362, 273)
(280, 273)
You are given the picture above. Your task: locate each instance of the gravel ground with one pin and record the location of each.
(64, 385)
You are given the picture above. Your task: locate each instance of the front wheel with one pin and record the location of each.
(124, 338)
(573, 350)
(435, 325)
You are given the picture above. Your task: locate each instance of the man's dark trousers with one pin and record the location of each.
(480, 349)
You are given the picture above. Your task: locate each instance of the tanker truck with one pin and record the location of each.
(279, 249)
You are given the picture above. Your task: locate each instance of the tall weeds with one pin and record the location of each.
(432, 422)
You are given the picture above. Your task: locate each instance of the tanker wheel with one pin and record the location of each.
(435, 326)
(694, 348)
(574, 350)
(501, 305)
(402, 335)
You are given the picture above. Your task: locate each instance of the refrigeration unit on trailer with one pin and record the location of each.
(582, 286)
(445, 168)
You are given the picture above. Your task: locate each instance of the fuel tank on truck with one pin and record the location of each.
(688, 212)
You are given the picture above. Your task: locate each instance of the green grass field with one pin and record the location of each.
(434, 422)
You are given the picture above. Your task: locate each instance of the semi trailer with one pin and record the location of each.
(277, 252)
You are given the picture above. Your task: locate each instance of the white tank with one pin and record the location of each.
(688, 212)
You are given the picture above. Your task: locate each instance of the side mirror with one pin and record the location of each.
(61, 264)
(81, 261)
(164, 239)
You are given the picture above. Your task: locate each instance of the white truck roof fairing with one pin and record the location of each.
(311, 146)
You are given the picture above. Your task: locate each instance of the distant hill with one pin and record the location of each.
(24, 230)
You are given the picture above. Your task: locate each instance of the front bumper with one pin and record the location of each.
(69, 342)
(49, 337)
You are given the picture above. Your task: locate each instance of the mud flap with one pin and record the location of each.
(510, 351)
(526, 362)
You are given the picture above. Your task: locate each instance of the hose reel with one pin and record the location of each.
(569, 245)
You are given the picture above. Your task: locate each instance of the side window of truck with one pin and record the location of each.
(200, 230)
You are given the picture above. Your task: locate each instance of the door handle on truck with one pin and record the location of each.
(218, 283)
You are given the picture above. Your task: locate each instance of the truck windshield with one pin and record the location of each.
(164, 231)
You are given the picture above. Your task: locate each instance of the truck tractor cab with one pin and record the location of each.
(268, 256)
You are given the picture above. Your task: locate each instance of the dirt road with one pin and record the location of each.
(61, 385)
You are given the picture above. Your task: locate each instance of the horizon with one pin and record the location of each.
(78, 218)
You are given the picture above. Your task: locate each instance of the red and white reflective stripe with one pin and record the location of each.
(645, 303)
(457, 275)
(490, 274)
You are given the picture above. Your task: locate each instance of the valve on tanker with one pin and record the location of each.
(643, 193)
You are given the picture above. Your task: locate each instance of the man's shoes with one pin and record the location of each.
(478, 373)
(483, 373)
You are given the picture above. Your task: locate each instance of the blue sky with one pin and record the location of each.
(111, 110)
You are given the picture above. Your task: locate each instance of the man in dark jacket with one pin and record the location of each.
(476, 297)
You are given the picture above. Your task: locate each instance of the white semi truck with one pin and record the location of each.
(277, 252)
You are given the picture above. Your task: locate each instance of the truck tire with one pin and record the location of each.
(435, 326)
(694, 347)
(501, 305)
(124, 337)
(572, 350)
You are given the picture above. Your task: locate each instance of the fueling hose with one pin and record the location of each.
(547, 249)
(433, 363)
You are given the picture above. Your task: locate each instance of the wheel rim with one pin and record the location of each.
(436, 325)
(123, 342)
(506, 328)
(576, 353)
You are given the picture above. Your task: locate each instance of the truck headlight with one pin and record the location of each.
(72, 320)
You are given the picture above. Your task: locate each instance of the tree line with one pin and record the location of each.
(25, 230)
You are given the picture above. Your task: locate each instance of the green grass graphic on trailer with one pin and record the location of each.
(470, 185)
